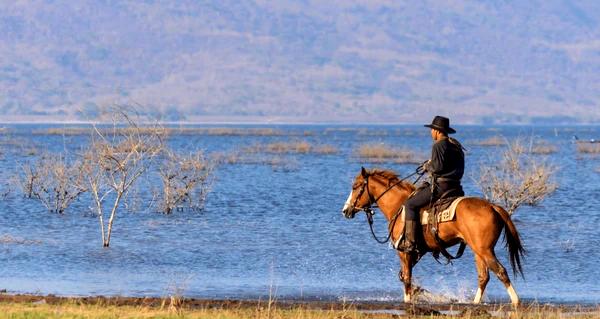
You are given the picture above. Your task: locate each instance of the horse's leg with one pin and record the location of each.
(493, 264)
(483, 276)
(406, 274)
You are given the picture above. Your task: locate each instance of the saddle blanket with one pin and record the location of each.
(446, 215)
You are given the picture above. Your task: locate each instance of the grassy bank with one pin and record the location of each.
(21, 307)
(34, 311)
(30, 311)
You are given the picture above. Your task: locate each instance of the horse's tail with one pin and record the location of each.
(513, 241)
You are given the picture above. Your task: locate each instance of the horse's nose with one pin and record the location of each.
(347, 212)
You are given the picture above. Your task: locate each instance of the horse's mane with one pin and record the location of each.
(392, 178)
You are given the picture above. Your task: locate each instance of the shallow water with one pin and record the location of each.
(279, 229)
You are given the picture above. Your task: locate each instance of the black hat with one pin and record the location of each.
(441, 123)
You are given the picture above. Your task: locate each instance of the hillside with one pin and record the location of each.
(352, 61)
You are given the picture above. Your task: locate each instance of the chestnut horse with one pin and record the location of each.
(478, 223)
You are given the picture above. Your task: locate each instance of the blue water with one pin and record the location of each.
(279, 229)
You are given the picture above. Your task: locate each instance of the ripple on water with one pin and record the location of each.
(266, 229)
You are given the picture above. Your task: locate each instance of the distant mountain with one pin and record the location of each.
(340, 60)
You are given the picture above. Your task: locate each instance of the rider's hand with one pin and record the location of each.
(423, 167)
(426, 165)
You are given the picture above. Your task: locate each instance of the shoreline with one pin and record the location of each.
(312, 304)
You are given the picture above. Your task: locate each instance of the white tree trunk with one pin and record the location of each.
(113, 214)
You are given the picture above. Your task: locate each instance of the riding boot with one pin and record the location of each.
(409, 242)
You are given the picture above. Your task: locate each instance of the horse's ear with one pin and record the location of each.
(363, 172)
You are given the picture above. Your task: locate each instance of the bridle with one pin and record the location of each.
(368, 209)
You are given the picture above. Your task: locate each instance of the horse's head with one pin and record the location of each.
(359, 197)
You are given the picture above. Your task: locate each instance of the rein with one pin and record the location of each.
(369, 209)
(369, 213)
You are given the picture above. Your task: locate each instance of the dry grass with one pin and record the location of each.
(116, 130)
(331, 130)
(543, 149)
(266, 310)
(588, 148)
(535, 146)
(287, 147)
(492, 141)
(294, 147)
(225, 158)
(148, 129)
(18, 145)
(13, 141)
(368, 132)
(381, 154)
(22, 311)
(325, 149)
(277, 163)
(63, 131)
(8, 239)
(540, 147)
(223, 131)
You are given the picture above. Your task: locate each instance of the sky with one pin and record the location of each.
(350, 61)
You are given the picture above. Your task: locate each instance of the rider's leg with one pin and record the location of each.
(411, 210)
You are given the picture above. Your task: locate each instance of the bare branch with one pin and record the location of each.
(116, 159)
(518, 178)
(54, 181)
(185, 179)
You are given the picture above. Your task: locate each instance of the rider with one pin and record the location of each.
(446, 167)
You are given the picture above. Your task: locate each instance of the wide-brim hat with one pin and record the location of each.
(441, 123)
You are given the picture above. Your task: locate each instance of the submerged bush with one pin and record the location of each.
(53, 180)
(185, 180)
(216, 131)
(588, 148)
(543, 149)
(381, 153)
(325, 149)
(298, 147)
(532, 146)
(277, 162)
(516, 178)
(492, 141)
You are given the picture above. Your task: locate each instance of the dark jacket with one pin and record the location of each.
(447, 164)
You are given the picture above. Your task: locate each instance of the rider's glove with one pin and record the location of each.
(423, 167)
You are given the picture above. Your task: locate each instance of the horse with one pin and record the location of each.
(478, 223)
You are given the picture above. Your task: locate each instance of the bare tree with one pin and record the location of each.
(185, 179)
(26, 179)
(114, 161)
(518, 177)
(54, 181)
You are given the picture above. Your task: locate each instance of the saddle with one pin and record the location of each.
(443, 210)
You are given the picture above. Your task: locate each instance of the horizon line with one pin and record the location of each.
(25, 122)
